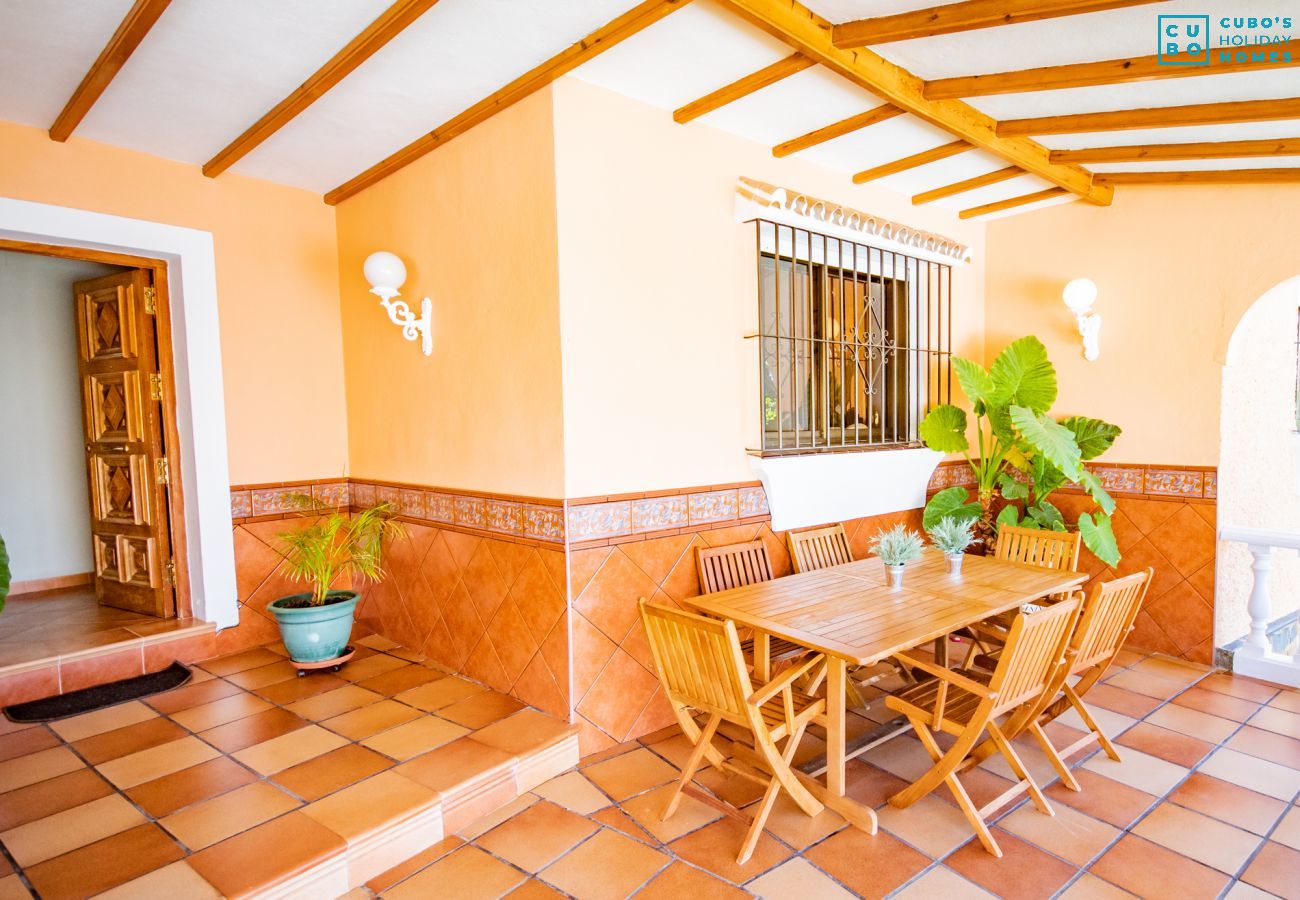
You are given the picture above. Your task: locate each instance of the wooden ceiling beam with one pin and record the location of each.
(1011, 203)
(743, 87)
(969, 15)
(925, 157)
(1226, 176)
(389, 25)
(970, 184)
(1111, 71)
(811, 35)
(837, 129)
(1159, 117)
(1202, 150)
(138, 22)
(634, 20)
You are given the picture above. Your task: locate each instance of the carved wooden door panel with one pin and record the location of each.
(117, 357)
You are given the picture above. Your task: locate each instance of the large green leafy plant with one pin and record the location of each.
(1022, 452)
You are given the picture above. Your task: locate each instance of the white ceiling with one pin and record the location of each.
(210, 69)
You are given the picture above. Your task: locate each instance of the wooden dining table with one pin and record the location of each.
(849, 613)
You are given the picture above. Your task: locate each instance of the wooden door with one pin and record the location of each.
(121, 394)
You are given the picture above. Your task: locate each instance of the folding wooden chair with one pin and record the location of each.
(819, 548)
(1038, 547)
(739, 565)
(967, 708)
(702, 671)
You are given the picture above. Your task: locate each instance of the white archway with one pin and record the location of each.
(1258, 485)
(196, 349)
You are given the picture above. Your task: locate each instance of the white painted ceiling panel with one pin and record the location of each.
(881, 143)
(954, 168)
(1030, 207)
(458, 53)
(46, 48)
(209, 70)
(1003, 190)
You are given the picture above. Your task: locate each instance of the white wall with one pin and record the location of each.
(44, 505)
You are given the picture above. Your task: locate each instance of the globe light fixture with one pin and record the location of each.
(1079, 295)
(386, 273)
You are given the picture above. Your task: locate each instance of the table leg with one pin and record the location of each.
(836, 734)
(941, 651)
(762, 657)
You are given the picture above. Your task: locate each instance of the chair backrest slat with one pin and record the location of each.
(1108, 614)
(819, 548)
(1034, 649)
(1038, 547)
(732, 566)
(699, 660)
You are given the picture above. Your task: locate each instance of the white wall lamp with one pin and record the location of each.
(386, 273)
(1079, 295)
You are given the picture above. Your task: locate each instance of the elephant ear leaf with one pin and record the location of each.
(1099, 537)
(953, 502)
(1093, 436)
(944, 429)
(1009, 516)
(1023, 376)
(1047, 477)
(1050, 439)
(1011, 488)
(976, 383)
(1047, 516)
(1092, 484)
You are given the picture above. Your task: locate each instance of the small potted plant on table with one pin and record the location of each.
(316, 626)
(896, 547)
(952, 536)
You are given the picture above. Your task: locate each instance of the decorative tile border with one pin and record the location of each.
(1181, 482)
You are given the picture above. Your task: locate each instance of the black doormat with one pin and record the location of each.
(74, 703)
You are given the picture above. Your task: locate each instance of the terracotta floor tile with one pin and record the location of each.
(12, 888)
(1217, 704)
(362, 723)
(174, 882)
(630, 774)
(1090, 887)
(24, 770)
(290, 749)
(1228, 802)
(574, 792)
(868, 866)
(220, 712)
(147, 765)
(271, 673)
(378, 642)
(1149, 870)
(606, 867)
(101, 720)
(331, 771)
(623, 823)
(64, 832)
(415, 737)
(1279, 721)
(178, 790)
(1288, 700)
(524, 732)
(131, 739)
(647, 809)
(1255, 774)
(1267, 745)
(485, 823)
(1170, 746)
(242, 865)
(1288, 830)
(942, 883)
(254, 729)
(334, 703)
(1275, 870)
(1198, 837)
(537, 837)
(54, 795)
(796, 828)
(286, 692)
(1146, 683)
(468, 873)
(434, 695)
(870, 785)
(105, 864)
(29, 740)
(1111, 801)
(534, 889)
(930, 825)
(454, 764)
(403, 679)
(1193, 723)
(383, 881)
(191, 695)
(481, 710)
(204, 824)
(1173, 669)
(1237, 686)
(371, 666)
(240, 662)
(1139, 770)
(680, 880)
(1069, 834)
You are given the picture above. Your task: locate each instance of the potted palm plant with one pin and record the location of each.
(316, 626)
(952, 536)
(896, 547)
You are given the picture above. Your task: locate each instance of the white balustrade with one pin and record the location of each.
(1256, 657)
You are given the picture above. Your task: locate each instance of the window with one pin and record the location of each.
(854, 342)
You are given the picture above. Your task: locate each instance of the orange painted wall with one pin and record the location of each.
(474, 222)
(277, 284)
(1176, 267)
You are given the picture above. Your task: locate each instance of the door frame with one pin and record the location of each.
(184, 263)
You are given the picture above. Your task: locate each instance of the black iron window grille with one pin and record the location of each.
(855, 342)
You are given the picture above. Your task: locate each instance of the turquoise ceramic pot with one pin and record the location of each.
(315, 633)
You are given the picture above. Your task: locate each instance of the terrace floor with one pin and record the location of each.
(1203, 805)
